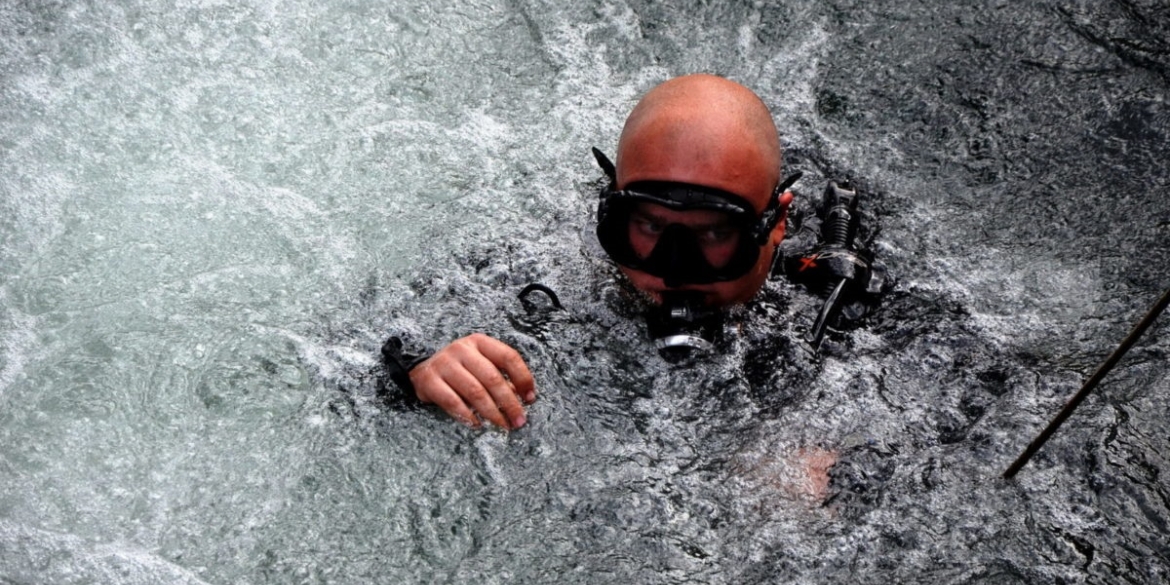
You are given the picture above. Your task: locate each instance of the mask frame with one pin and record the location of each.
(677, 257)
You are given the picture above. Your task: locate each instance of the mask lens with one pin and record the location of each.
(713, 235)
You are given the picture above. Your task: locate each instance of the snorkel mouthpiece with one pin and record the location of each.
(682, 326)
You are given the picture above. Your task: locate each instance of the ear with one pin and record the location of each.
(777, 234)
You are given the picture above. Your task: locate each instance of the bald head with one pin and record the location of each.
(702, 130)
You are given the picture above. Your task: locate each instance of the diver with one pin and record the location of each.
(693, 215)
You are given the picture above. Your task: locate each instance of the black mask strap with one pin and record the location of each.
(772, 213)
(605, 164)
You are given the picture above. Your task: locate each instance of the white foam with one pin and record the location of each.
(19, 343)
(34, 555)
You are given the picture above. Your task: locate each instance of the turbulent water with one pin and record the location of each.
(212, 213)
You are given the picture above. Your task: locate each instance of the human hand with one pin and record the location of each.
(476, 375)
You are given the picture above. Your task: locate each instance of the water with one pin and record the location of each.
(213, 213)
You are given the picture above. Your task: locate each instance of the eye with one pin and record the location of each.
(715, 236)
(647, 226)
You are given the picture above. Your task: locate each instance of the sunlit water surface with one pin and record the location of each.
(212, 213)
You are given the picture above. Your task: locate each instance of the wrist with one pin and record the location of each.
(399, 365)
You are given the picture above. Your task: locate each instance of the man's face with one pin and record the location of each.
(717, 239)
(711, 133)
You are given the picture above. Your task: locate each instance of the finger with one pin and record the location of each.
(438, 392)
(471, 389)
(502, 392)
(509, 361)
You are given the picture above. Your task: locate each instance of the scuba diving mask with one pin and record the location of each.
(676, 251)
